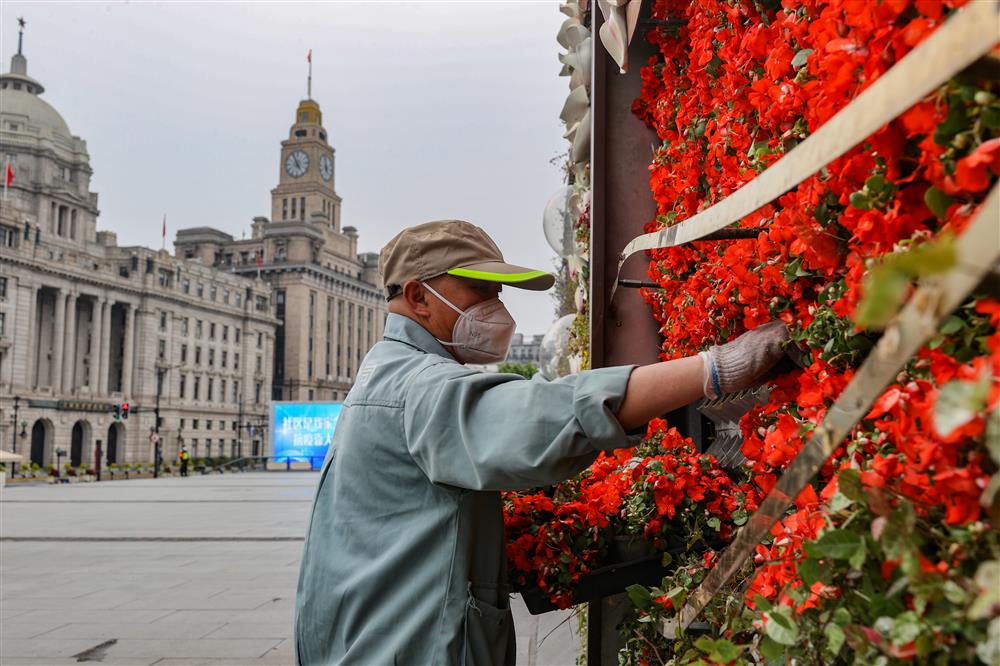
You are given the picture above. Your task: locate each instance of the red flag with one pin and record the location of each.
(10, 175)
(309, 58)
(260, 254)
(164, 225)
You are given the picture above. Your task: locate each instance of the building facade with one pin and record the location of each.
(328, 298)
(525, 349)
(86, 324)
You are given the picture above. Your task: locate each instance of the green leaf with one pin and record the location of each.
(809, 571)
(959, 402)
(780, 626)
(993, 435)
(842, 616)
(762, 603)
(938, 202)
(740, 516)
(666, 559)
(857, 558)
(834, 638)
(718, 651)
(991, 117)
(849, 481)
(836, 544)
(875, 183)
(860, 200)
(884, 289)
(955, 593)
(800, 58)
(951, 325)
(928, 258)
(905, 628)
(714, 523)
(640, 596)
(771, 649)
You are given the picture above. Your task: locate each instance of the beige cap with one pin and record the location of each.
(454, 247)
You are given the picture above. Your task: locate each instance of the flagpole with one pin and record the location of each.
(309, 84)
(6, 171)
(163, 245)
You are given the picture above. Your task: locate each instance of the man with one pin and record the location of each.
(184, 456)
(404, 560)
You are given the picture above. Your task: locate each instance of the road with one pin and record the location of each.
(172, 572)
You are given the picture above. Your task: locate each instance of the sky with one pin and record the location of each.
(436, 110)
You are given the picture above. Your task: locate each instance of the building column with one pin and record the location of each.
(69, 355)
(58, 341)
(96, 320)
(129, 352)
(30, 372)
(105, 347)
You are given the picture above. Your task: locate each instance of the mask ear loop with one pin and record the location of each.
(450, 305)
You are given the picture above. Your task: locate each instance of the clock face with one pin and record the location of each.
(326, 167)
(297, 164)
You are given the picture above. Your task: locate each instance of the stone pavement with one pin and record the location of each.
(173, 572)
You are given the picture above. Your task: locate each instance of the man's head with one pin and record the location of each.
(457, 260)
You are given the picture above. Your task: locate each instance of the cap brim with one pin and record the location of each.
(509, 274)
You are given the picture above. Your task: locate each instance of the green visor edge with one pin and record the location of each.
(496, 277)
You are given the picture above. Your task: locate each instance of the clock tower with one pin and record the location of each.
(305, 190)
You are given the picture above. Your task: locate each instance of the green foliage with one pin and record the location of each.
(526, 370)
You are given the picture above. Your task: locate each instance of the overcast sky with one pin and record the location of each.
(436, 110)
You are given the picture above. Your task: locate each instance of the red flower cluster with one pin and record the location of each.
(729, 93)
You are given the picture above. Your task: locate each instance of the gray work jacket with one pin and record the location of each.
(404, 559)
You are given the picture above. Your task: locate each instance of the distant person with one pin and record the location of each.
(404, 559)
(184, 456)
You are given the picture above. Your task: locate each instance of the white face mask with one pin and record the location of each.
(482, 333)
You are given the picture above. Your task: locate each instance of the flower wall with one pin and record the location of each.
(891, 554)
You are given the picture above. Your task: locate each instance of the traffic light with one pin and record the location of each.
(117, 409)
(124, 410)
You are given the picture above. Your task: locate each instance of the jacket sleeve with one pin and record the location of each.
(497, 431)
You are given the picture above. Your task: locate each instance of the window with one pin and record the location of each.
(183, 391)
(236, 361)
(197, 328)
(197, 393)
(261, 304)
(162, 350)
(182, 424)
(284, 209)
(225, 354)
(184, 326)
(222, 424)
(163, 321)
(260, 339)
(225, 296)
(222, 395)
(293, 207)
(197, 355)
(211, 331)
(225, 333)
(238, 299)
(3, 323)
(200, 290)
(3, 287)
(194, 448)
(164, 277)
(209, 394)
(310, 394)
(212, 293)
(259, 363)
(211, 358)
(302, 208)
(208, 448)
(237, 334)
(236, 396)
(123, 270)
(185, 286)
(256, 393)
(194, 423)
(184, 353)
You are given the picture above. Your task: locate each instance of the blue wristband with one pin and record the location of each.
(715, 379)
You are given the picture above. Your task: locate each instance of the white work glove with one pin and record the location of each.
(742, 363)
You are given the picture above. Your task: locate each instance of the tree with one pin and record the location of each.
(526, 370)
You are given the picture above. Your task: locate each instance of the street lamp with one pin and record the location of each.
(13, 425)
(59, 454)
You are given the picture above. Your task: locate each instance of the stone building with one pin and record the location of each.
(525, 349)
(86, 324)
(327, 297)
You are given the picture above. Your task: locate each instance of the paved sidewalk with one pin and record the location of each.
(172, 571)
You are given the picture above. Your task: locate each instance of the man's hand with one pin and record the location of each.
(743, 362)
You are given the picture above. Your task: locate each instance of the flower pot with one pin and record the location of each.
(630, 547)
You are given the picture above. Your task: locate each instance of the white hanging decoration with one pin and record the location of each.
(557, 222)
(553, 355)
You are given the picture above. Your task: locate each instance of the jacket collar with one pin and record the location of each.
(405, 330)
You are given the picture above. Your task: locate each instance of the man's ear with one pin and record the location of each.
(416, 298)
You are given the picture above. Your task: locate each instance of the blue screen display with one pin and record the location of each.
(303, 431)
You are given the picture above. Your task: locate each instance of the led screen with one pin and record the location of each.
(303, 431)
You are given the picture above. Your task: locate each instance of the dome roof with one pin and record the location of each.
(19, 96)
(38, 112)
